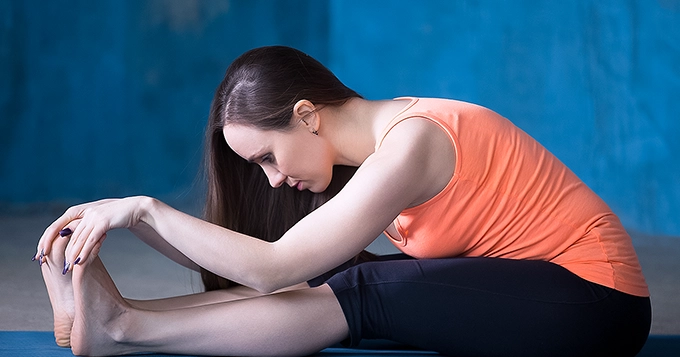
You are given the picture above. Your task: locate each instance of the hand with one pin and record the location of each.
(89, 224)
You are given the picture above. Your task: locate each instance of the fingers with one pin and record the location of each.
(83, 239)
(94, 252)
(84, 254)
(57, 228)
(85, 258)
(89, 233)
(86, 226)
(50, 233)
(64, 233)
(53, 230)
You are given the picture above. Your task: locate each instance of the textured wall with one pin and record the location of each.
(597, 82)
(109, 98)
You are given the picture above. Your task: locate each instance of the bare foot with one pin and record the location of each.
(101, 313)
(60, 290)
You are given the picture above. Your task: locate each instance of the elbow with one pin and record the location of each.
(269, 279)
(265, 289)
(268, 283)
(271, 271)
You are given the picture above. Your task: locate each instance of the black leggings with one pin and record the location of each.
(488, 307)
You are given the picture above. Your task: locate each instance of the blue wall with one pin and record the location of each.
(109, 98)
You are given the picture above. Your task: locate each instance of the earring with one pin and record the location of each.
(315, 132)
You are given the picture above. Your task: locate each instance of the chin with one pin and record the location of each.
(318, 189)
(315, 190)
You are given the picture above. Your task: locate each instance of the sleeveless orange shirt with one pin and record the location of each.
(509, 197)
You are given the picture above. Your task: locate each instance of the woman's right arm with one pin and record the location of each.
(405, 171)
(125, 211)
(149, 236)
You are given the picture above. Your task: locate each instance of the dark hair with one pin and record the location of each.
(260, 89)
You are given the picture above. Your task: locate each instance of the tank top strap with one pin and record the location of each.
(399, 117)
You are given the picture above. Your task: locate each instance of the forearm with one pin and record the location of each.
(146, 234)
(243, 259)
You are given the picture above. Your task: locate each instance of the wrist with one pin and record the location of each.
(146, 207)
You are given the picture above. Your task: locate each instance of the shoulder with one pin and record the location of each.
(419, 152)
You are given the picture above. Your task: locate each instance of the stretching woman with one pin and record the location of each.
(507, 252)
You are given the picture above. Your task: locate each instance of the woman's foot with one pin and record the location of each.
(101, 313)
(60, 291)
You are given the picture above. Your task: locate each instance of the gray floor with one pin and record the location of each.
(142, 273)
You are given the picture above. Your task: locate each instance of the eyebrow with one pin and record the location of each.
(259, 154)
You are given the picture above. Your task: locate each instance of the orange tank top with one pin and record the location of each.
(509, 197)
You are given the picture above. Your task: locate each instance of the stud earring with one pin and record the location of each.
(315, 132)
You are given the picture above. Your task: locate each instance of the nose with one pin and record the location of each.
(276, 178)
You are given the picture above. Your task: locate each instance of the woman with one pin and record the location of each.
(508, 252)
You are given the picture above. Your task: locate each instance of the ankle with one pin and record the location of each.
(121, 327)
(114, 336)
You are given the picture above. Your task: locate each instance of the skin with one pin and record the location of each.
(60, 291)
(416, 160)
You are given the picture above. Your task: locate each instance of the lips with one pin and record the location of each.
(296, 185)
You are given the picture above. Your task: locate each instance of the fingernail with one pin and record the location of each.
(40, 262)
(33, 258)
(65, 232)
(66, 266)
(77, 261)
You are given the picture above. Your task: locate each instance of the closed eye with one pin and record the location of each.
(267, 158)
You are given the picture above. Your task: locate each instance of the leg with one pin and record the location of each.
(490, 307)
(204, 298)
(288, 323)
(60, 292)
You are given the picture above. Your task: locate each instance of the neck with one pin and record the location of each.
(354, 128)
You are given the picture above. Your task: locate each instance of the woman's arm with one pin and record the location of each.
(412, 165)
(147, 235)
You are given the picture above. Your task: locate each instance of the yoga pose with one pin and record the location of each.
(506, 251)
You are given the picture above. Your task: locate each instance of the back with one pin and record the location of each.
(511, 198)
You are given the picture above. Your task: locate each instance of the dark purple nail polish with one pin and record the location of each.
(66, 266)
(77, 261)
(65, 232)
(33, 258)
(40, 262)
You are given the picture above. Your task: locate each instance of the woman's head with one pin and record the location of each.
(262, 86)
(272, 90)
(260, 91)
(294, 157)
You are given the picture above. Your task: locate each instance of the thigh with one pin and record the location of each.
(354, 262)
(489, 307)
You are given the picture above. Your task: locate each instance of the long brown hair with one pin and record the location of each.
(260, 89)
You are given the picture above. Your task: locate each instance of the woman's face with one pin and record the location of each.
(296, 157)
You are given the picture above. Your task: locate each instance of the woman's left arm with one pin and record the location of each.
(390, 180)
(201, 242)
(414, 163)
(324, 239)
(190, 236)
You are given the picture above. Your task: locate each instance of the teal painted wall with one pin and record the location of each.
(109, 98)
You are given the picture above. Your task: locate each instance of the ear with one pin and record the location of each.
(305, 113)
